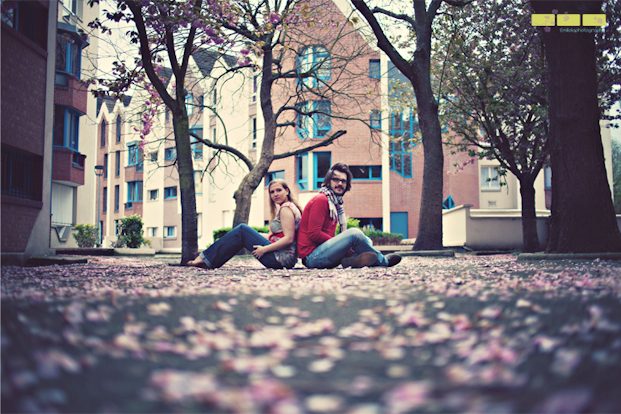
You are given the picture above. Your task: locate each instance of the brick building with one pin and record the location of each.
(73, 177)
(28, 50)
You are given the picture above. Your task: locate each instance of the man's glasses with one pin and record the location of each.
(337, 181)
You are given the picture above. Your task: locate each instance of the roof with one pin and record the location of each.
(205, 60)
(110, 102)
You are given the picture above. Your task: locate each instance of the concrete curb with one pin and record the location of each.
(568, 256)
(125, 251)
(426, 253)
(36, 261)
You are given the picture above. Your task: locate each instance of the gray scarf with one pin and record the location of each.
(337, 212)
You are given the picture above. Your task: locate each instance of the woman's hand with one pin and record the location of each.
(259, 251)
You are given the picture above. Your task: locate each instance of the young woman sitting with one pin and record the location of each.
(276, 250)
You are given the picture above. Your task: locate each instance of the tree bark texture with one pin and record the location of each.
(185, 168)
(530, 237)
(583, 218)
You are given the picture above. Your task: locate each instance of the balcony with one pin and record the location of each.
(68, 166)
(69, 92)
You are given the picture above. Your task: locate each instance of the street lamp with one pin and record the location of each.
(99, 170)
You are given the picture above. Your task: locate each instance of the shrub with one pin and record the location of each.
(86, 235)
(130, 232)
(383, 239)
(217, 234)
(351, 222)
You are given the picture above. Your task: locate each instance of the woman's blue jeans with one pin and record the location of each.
(232, 242)
(330, 253)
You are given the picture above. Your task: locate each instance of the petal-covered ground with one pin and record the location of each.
(464, 334)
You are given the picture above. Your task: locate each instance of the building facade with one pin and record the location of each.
(28, 51)
(73, 177)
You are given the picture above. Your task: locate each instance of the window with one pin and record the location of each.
(154, 156)
(201, 103)
(116, 227)
(134, 192)
(364, 172)
(21, 174)
(28, 18)
(170, 154)
(254, 133)
(189, 103)
(198, 180)
(153, 194)
(274, 175)
(105, 172)
(170, 232)
(321, 119)
(152, 231)
(66, 128)
(375, 120)
(104, 126)
(197, 147)
(117, 196)
(214, 96)
(375, 223)
(547, 177)
(135, 156)
(321, 166)
(314, 65)
(489, 178)
(118, 128)
(255, 87)
(105, 199)
(167, 115)
(402, 129)
(374, 68)
(302, 162)
(68, 57)
(118, 163)
(448, 203)
(170, 192)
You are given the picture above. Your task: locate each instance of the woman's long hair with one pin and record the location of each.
(290, 197)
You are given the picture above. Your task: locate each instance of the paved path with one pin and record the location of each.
(478, 334)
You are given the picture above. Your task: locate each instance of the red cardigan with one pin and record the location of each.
(316, 226)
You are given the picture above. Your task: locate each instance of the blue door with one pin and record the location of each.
(399, 224)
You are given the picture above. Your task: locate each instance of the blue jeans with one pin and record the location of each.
(330, 253)
(232, 242)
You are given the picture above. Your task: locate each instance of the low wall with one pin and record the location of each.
(489, 229)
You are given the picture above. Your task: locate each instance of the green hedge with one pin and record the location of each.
(217, 234)
(379, 238)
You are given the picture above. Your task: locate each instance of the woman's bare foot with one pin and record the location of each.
(198, 262)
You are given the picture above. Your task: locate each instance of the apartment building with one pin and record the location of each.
(143, 179)
(73, 175)
(45, 112)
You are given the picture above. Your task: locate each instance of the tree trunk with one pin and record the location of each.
(583, 218)
(429, 236)
(530, 238)
(252, 180)
(185, 168)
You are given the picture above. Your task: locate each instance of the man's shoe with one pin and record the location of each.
(362, 260)
(393, 259)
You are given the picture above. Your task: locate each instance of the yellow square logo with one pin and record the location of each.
(568, 20)
(594, 20)
(542, 20)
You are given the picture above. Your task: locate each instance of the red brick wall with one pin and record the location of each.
(18, 218)
(74, 95)
(64, 169)
(24, 66)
